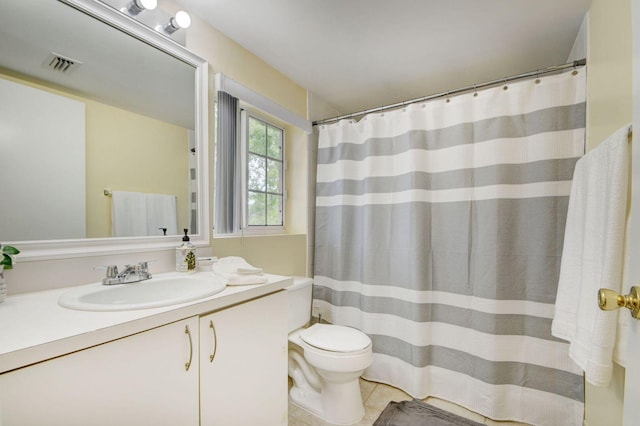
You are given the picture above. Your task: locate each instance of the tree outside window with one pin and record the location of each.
(265, 171)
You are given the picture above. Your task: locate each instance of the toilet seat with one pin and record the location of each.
(336, 339)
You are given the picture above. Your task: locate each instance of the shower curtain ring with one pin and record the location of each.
(475, 92)
(448, 99)
(505, 84)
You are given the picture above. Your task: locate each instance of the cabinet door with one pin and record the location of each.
(246, 381)
(137, 380)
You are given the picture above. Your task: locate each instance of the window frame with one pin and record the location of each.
(245, 116)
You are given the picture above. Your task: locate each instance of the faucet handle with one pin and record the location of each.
(112, 270)
(142, 268)
(144, 265)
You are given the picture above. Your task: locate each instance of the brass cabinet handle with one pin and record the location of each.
(609, 300)
(215, 342)
(188, 363)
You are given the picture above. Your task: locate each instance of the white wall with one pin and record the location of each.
(42, 195)
(581, 44)
(320, 109)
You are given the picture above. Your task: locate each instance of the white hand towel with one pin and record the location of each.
(236, 271)
(161, 213)
(135, 214)
(593, 257)
(128, 214)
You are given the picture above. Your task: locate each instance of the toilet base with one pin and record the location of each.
(337, 403)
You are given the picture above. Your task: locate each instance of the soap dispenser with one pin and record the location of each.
(186, 255)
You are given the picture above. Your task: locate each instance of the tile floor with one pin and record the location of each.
(376, 396)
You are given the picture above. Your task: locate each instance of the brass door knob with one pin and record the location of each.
(609, 300)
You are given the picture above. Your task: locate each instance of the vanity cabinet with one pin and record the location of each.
(143, 379)
(137, 380)
(243, 364)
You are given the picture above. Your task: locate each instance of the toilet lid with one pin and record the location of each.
(335, 338)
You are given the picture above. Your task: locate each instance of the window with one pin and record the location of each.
(264, 178)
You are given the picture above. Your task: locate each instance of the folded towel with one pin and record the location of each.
(236, 271)
(593, 257)
(249, 270)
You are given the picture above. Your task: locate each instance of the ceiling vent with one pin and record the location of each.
(61, 64)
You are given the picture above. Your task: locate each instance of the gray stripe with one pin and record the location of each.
(531, 376)
(499, 324)
(514, 174)
(496, 249)
(560, 118)
(194, 221)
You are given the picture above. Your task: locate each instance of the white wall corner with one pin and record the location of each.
(319, 109)
(581, 44)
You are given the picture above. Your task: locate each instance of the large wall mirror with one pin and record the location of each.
(103, 130)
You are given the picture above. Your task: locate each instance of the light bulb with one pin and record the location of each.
(148, 4)
(183, 20)
(137, 6)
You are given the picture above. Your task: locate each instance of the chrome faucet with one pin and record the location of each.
(130, 274)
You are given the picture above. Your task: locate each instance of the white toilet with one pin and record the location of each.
(325, 361)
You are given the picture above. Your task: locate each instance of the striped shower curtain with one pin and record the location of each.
(439, 230)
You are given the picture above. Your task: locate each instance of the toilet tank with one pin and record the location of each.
(299, 295)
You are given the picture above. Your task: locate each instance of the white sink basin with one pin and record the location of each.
(153, 293)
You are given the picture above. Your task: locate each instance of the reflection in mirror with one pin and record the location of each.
(98, 129)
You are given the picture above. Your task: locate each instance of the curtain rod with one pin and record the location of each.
(548, 70)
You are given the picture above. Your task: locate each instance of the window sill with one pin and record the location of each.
(256, 235)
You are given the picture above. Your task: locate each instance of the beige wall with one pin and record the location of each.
(277, 254)
(609, 104)
(296, 180)
(227, 56)
(131, 152)
(609, 107)
(128, 152)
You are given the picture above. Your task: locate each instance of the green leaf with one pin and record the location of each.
(10, 250)
(6, 261)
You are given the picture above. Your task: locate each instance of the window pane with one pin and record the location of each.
(257, 205)
(274, 145)
(274, 210)
(274, 169)
(257, 136)
(257, 173)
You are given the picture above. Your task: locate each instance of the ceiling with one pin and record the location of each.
(359, 54)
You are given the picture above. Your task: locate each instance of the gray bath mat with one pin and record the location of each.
(418, 413)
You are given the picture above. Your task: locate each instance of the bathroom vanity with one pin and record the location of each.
(220, 360)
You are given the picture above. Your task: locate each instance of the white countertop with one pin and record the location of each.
(33, 327)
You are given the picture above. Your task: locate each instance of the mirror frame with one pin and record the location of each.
(73, 248)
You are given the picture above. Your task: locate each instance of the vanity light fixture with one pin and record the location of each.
(181, 20)
(137, 6)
